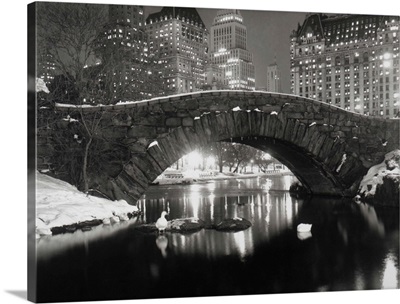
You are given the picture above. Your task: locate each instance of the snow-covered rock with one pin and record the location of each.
(43, 231)
(59, 203)
(374, 176)
(114, 219)
(123, 217)
(233, 224)
(41, 86)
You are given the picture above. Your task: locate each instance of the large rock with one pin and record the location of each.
(182, 225)
(185, 225)
(188, 225)
(88, 225)
(232, 225)
(380, 185)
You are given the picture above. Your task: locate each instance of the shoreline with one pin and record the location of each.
(61, 207)
(224, 176)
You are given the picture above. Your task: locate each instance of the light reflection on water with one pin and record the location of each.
(391, 272)
(271, 211)
(352, 246)
(211, 202)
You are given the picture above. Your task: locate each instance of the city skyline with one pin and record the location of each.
(350, 61)
(267, 53)
(265, 42)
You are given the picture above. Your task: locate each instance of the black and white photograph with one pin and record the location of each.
(183, 151)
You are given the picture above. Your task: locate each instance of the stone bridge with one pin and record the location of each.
(327, 148)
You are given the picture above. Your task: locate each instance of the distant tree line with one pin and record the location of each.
(236, 157)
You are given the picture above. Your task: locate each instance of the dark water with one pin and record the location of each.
(351, 247)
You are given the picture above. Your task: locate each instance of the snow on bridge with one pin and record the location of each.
(327, 148)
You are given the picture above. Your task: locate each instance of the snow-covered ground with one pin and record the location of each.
(59, 203)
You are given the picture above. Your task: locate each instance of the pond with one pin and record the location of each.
(351, 247)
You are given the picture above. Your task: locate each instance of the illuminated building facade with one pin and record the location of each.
(215, 78)
(179, 39)
(46, 67)
(273, 78)
(228, 49)
(122, 51)
(350, 61)
(125, 34)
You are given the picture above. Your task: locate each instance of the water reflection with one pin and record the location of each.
(272, 212)
(162, 244)
(304, 235)
(369, 214)
(353, 246)
(391, 272)
(212, 244)
(50, 246)
(209, 203)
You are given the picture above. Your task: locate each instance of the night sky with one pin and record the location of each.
(268, 35)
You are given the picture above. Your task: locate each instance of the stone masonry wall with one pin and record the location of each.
(328, 148)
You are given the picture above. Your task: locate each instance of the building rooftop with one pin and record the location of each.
(228, 15)
(338, 28)
(177, 13)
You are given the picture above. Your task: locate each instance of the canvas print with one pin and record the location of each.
(196, 152)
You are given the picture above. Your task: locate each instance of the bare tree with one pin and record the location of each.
(262, 162)
(68, 32)
(73, 34)
(218, 151)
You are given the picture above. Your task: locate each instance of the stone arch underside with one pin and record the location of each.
(325, 165)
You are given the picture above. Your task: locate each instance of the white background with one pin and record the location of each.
(13, 119)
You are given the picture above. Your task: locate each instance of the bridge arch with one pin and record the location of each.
(300, 148)
(327, 148)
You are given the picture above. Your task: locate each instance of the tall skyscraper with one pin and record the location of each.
(228, 49)
(351, 61)
(124, 33)
(122, 52)
(273, 78)
(178, 37)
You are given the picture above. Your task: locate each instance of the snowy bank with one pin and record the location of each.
(382, 181)
(59, 204)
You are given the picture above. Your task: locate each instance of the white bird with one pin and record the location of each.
(162, 222)
(304, 227)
